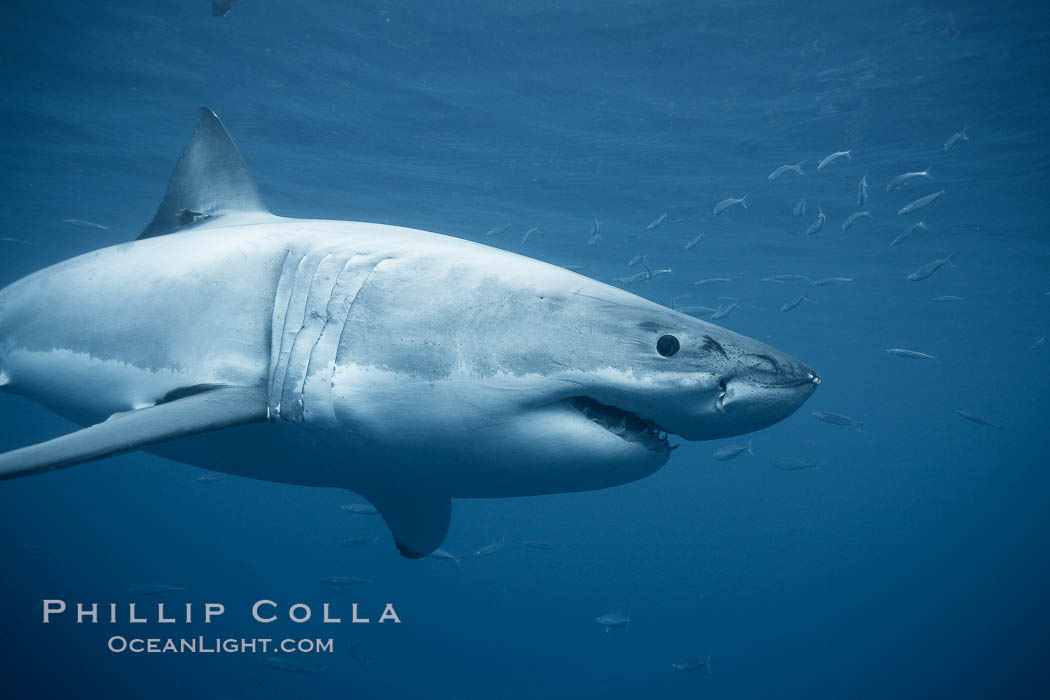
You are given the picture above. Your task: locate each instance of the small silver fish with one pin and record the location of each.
(643, 275)
(786, 278)
(791, 464)
(614, 619)
(442, 553)
(692, 665)
(862, 190)
(730, 202)
(955, 138)
(920, 203)
(848, 223)
(829, 159)
(497, 231)
(656, 222)
(833, 280)
(948, 298)
(575, 268)
(653, 274)
(528, 234)
(490, 548)
(929, 268)
(637, 259)
(1038, 344)
(209, 478)
(974, 418)
(84, 224)
(711, 280)
(696, 309)
(815, 227)
(800, 208)
(35, 550)
(338, 582)
(728, 452)
(692, 243)
(910, 354)
(794, 303)
(904, 236)
(724, 310)
(797, 168)
(154, 589)
(838, 419)
(360, 509)
(356, 656)
(223, 8)
(596, 233)
(18, 241)
(901, 179)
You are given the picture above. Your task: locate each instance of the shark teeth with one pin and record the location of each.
(624, 424)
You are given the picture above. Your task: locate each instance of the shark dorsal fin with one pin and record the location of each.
(210, 180)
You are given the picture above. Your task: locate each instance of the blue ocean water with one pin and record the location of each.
(911, 561)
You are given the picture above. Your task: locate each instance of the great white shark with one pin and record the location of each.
(407, 366)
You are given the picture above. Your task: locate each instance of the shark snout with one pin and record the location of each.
(747, 405)
(744, 401)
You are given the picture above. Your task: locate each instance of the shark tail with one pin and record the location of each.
(743, 201)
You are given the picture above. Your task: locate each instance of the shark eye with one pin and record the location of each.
(667, 345)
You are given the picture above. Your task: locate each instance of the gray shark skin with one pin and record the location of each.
(407, 366)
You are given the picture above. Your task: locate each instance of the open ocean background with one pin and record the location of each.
(912, 562)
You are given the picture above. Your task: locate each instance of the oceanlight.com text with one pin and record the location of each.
(218, 645)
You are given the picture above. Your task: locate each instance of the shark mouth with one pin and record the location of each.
(624, 424)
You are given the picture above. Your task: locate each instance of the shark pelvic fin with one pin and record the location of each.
(210, 180)
(418, 521)
(221, 407)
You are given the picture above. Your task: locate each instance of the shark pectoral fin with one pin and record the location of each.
(210, 180)
(418, 521)
(216, 408)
